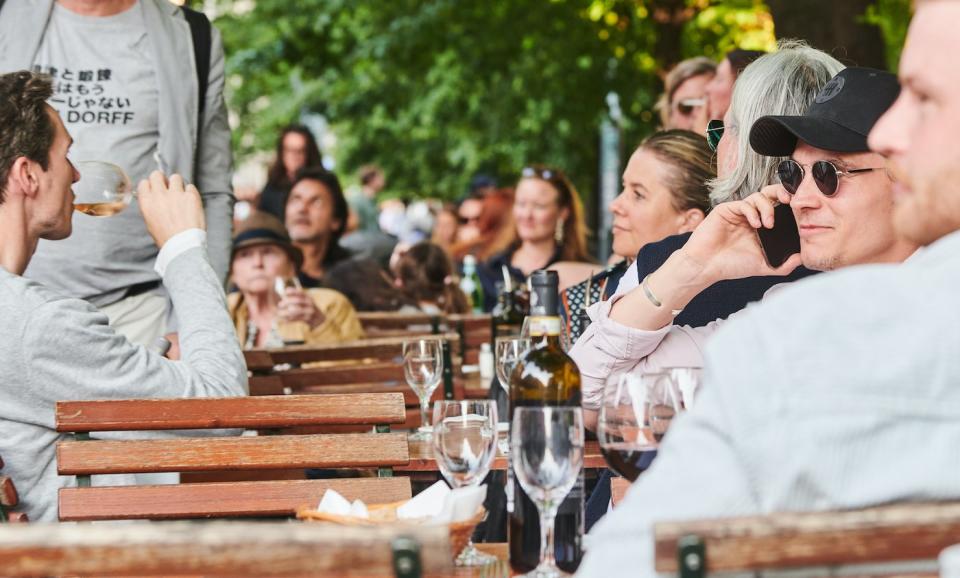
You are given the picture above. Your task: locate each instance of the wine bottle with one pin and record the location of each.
(545, 376)
(507, 315)
(470, 284)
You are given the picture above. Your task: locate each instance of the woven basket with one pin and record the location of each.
(382, 514)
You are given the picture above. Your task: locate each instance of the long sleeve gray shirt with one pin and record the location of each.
(840, 391)
(55, 348)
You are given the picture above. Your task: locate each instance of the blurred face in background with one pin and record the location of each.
(536, 210)
(445, 228)
(255, 269)
(294, 153)
(643, 212)
(684, 113)
(719, 90)
(469, 215)
(310, 212)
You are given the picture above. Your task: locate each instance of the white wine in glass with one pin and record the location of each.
(103, 189)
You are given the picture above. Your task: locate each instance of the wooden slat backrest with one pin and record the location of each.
(259, 499)
(382, 349)
(214, 549)
(238, 412)
(232, 453)
(373, 322)
(902, 532)
(474, 330)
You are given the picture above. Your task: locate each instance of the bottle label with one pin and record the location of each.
(542, 325)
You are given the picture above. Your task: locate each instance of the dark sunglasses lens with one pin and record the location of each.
(714, 134)
(791, 175)
(825, 175)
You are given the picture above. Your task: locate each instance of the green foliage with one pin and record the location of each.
(436, 90)
(893, 18)
(718, 29)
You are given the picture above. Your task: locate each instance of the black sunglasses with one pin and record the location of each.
(714, 133)
(826, 175)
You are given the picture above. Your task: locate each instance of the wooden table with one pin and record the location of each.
(498, 549)
(422, 460)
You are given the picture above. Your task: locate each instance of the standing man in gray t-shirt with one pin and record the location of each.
(126, 89)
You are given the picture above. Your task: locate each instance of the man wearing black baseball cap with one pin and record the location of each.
(839, 192)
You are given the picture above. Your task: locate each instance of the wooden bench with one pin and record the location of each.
(395, 324)
(258, 454)
(817, 543)
(474, 329)
(365, 366)
(223, 549)
(9, 499)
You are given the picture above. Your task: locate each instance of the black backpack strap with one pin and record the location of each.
(201, 31)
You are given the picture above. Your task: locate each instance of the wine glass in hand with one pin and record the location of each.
(103, 189)
(464, 443)
(287, 331)
(547, 456)
(423, 369)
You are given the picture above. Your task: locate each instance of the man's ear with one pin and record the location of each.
(24, 178)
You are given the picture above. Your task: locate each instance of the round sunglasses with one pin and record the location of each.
(826, 175)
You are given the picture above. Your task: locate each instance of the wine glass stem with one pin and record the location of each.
(424, 407)
(548, 515)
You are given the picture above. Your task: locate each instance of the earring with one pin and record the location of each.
(558, 233)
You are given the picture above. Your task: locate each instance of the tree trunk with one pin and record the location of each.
(834, 26)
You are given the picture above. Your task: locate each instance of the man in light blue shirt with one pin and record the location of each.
(810, 397)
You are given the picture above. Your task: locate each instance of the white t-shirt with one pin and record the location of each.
(105, 89)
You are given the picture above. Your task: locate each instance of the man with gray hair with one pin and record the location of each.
(57, 348)
(808, 395)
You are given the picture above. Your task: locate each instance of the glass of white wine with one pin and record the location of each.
(103, 189)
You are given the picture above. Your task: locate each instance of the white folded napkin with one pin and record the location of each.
(438, 504)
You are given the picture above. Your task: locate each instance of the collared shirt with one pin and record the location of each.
(808, 400)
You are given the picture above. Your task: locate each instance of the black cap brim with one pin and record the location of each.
(776, 136)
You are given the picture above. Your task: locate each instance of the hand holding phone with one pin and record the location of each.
(783, 240)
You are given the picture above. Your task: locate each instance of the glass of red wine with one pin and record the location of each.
(635, 413)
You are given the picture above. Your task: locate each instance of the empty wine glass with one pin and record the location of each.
(687, 380)
(103, 189)
(547, 456)
(464, 435)
(623, 426)
(423, 369)
(508, 352)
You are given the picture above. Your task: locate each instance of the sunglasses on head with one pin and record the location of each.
(688, 105)
(714, 133)
(826, 175)
(540, 173)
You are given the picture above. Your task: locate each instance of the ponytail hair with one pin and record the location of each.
(426, 275)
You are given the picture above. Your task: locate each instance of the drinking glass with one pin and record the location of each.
(624, 427)
(464, 444)
(287, 331)
(423, 369)
(103, 189)
(687, 380)
(547, 456)
(508, 351)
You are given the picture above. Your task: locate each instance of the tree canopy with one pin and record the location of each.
(437, 90)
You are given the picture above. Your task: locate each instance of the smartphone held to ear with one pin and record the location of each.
(783, 239)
